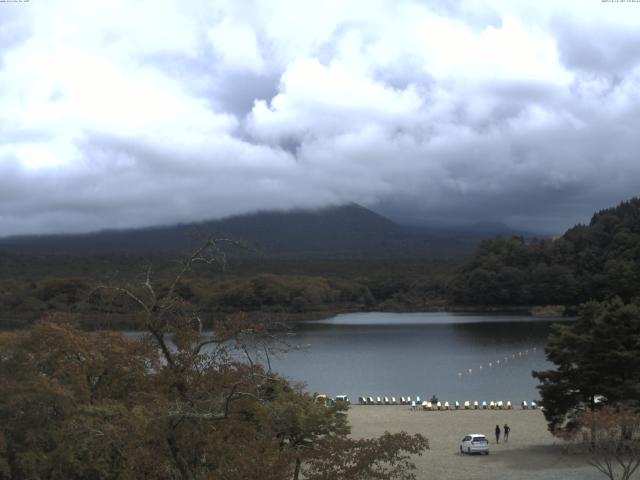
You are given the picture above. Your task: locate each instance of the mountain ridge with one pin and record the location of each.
(347, 230)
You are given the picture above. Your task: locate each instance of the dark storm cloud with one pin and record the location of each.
(238, 92)
(441, 112)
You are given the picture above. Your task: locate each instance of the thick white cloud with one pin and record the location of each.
(237, 46)
(316, 100)
(117, 114)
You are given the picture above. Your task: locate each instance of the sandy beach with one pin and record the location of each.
(532, 453)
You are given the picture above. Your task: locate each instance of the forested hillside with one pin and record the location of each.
(347, 232)
(595, 261)
(296, 263)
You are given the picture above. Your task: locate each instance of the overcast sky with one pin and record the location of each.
(128, 113)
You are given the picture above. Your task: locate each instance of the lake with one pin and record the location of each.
(450, 355)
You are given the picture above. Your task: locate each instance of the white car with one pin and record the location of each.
(474, 443)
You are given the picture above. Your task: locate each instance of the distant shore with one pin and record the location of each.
(131, 321)
(532, 453)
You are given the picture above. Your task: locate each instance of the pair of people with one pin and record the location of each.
(506, 429)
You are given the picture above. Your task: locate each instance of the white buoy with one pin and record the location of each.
(480, 367)
(490, 365)
(459, 374)
(497, 362)
(470, 371)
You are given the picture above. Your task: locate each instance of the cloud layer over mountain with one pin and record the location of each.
(120, 114)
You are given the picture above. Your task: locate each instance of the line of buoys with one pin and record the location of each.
(502, 361)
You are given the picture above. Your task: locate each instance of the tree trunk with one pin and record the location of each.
(15, 469)
(185, 472)
(296, 472)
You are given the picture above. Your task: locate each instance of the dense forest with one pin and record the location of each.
(282, 264)
(596, 261)
(32, 286)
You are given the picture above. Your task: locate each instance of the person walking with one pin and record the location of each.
(506, 430)
(497, 433)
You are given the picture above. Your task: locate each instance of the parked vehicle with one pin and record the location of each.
(474, 443)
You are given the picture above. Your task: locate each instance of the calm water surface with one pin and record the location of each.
(419, 354)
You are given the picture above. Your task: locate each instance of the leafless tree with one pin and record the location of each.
(610, 438)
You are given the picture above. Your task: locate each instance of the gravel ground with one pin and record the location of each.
(532, 453)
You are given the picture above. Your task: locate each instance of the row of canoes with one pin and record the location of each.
(425, 405)
(388, 400)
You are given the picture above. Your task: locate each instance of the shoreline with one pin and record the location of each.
(94, 321)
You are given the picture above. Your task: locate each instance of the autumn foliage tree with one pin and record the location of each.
(610, 439)
(178, 403)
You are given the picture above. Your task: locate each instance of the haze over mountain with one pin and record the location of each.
(349, 230)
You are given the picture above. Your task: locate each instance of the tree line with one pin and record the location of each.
(589, 262)
(31, 287)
